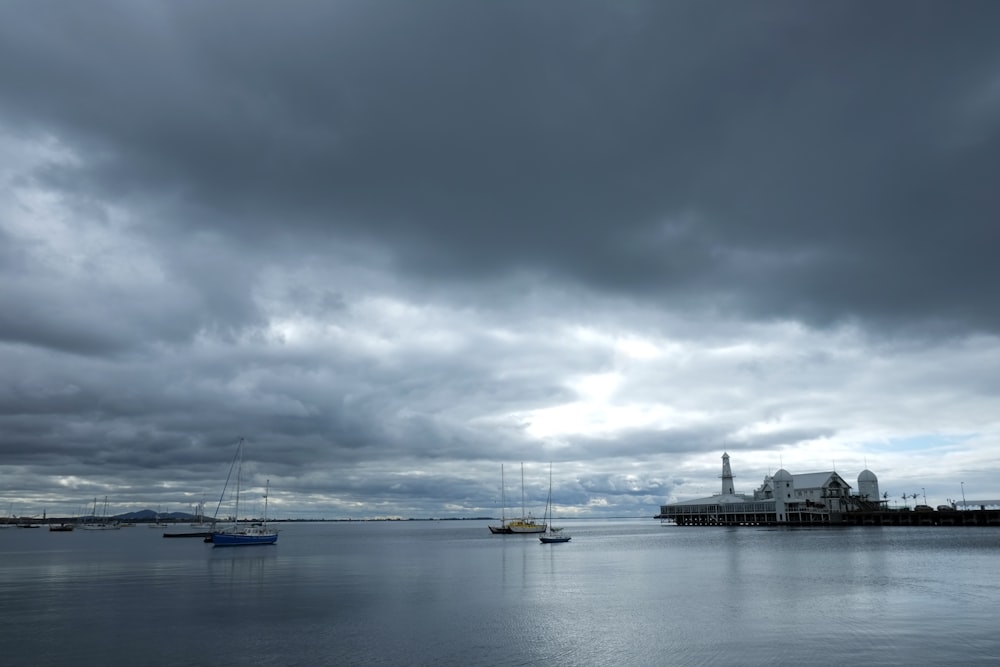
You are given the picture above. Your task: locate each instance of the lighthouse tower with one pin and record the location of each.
(727, 476)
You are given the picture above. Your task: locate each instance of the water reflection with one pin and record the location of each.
(452, 594)
(241, 565)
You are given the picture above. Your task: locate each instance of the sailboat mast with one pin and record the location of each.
(239, 476)
(548, 501)
(503, 500)
(267, 489)
(523, 513)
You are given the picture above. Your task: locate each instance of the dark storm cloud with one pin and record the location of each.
(784, 159)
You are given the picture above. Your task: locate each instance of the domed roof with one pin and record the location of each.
(782, 476)
(867, 476)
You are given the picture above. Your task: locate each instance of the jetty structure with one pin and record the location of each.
(783, 498)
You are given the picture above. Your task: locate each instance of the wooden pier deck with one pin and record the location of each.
(736, 515)
(982, 517)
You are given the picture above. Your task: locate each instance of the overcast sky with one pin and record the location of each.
(397, 244)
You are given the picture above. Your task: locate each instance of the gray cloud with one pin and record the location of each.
(393, 238)
(787, 159)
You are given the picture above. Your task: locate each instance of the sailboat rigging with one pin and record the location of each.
(104, 523)
(503, 528)
(527, 523)
(551, 535)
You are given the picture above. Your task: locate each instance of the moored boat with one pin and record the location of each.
(527, 523)
(553, 538)
(104, 523)
(158, 523)
(245, 537)
(552, 535)
(242, 533)
(503, 528)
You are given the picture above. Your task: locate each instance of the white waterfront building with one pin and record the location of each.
(782, 498)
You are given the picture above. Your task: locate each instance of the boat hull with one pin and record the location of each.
(554, 539)
(243, 539)
(500, 530)
(526, 527)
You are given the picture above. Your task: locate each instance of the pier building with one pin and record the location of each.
(782, 498)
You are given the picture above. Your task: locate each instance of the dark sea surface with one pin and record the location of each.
(622, 592)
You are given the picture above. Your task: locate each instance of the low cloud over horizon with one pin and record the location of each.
(395, 245)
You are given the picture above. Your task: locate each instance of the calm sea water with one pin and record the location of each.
(627, 592)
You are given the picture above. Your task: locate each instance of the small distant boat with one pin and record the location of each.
(201, 522)
(29, 522)
(157, 523)
(243, 533)
(554, 538)
(103, 524)
(205, 526)
(60, 527)
(552, 535)
(100, 525)
(503, 528)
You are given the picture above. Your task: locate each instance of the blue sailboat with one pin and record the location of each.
(244, 533)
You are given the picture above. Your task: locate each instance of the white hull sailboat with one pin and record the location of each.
(104, 523)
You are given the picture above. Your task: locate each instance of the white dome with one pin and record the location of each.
(782, 476)
(868, 485)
